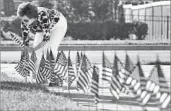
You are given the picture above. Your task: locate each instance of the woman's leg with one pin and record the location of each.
(57, 34)
(38, 38)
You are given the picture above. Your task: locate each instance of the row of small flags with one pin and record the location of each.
(123, 78)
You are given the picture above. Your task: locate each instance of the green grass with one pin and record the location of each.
(17, 95)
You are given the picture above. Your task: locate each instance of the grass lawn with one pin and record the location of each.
(17, 95)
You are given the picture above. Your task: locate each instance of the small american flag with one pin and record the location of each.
(58, 55)
(52, 63)
(71, 73)
(107, 69)
(32, 62)
(18, 41)
(126, 72)
(95, 83)
(20, 64)
(115, 84)
(129, 65)
(23, 67)
(43, 70)
(48, 65)
(52, 60)
(60, 69)
(78, 62)
(161, 91)
(85, 72)
(137, 83)
(148, 95)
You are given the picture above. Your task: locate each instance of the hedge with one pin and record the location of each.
(106, 30)
(92, 30)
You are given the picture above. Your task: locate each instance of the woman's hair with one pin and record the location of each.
(27, 9)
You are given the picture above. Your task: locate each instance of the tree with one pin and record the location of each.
(102, 9)
(8, 7)
(45, 3)
(81, 9)
(64, 6)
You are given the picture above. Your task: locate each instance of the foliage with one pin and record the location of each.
(8, 7)
(13, 25)
(45, 3)
(64, 6)
(102, 9)
(100, 31)
(141, 30)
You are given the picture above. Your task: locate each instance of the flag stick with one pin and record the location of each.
(117, 105)
(26, 79)
(77, 77)
(62, 91)
(88, 101)
(68, 75)
(96, 102)
(31, 76)
(96, 107)
(102, 85)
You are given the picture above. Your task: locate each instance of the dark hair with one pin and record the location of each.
(27, 9)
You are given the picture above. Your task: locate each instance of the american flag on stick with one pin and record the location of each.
(48, 66)
(18, 41)
(107, 69)
(78, 62)
(23, 67)
(32, 62)
(129, 67)
(20, 64)
(115, 84)
(126, 72)
(60, 69)
(95, 83)
(85, 74)
(43, 70)
(161, 93)
(137, 83)
(53, 76)
(71, 73)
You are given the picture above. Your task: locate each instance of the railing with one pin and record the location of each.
(158, 26)
(155, 14)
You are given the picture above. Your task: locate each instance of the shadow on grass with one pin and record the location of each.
(84, 99)
(18, 86)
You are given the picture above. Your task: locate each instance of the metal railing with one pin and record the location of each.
(158, 26)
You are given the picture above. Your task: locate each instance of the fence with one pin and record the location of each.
(155, 14)
(158, 26)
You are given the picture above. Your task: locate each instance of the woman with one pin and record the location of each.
(49, 26)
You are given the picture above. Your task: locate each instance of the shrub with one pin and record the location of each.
(141, 30)
(13, 25)
(100, 31)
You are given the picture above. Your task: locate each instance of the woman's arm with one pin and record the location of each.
(45, 23)
(25, 34)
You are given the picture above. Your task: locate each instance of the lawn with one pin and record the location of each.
(17, 95)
